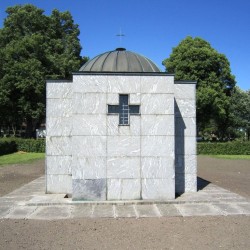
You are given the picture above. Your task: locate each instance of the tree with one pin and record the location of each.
(195, 59)
(34, 47)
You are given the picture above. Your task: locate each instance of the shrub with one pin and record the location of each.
(223, 148)
(7, 147)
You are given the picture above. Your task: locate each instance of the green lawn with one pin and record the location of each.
(232, 157)
(20, 157)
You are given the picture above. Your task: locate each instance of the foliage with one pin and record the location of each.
(195, 59)
(20, 158)
(223, 148)
(18, 144)
(34, 47)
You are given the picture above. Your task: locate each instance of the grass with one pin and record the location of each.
(20, 157)
(232, 157)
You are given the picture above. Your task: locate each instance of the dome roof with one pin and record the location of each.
(120, 60)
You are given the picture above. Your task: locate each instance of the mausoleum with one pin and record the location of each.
(121, 130)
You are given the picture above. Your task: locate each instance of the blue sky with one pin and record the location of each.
(153, 28)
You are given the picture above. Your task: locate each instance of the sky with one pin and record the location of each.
(153, 27)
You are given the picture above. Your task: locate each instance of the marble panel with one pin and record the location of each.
(89, 103)
(123, 167)
(157, 125)
(58, 164)
(185, 183)
(185, 126)
(89, 189)
(89, 168)
(90, 83)
(123, 84)
(123, 146)
(158, 189)
(89, 146)
(185, 145)
(59, 108)
(58, 146)
(59, 89)
(58, 126)
(113, 98)
(185, 108)
(157, 84)
(154, 104)
(185, 91)
(58, 184)
(186, 164)
(157, 167)
(89, 125)
(124, 189)
(157, 146)
(135, 98)
(112, 124)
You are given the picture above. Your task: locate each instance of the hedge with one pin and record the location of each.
(224, 148)
(11, 145)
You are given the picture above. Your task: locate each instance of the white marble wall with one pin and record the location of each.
(185, 137)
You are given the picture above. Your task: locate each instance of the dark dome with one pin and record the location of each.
(120, 60)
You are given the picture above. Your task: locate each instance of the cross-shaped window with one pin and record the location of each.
(124, 110)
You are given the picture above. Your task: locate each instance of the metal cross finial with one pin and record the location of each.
(120, 35)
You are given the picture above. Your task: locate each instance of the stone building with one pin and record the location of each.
(121, 130)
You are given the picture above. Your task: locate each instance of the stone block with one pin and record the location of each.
(89, 146)
(89, 189)
(123, 146)
(158, 189)
(157, 146)
(90, 83)
(59, 184)
(59, 89)
(157, 125)
(185, 183)
(89, 168)
(89, 125)
(89, 103)
(123, 84)
(185, 126)
(185, 108)
(58, 145)
(59, 165)
(113, 98)
(124, 189)
(123, 167)
(157, 167)
(185, 145)
(135, 98)
(59, 108)
(186, 164)
(185, 91)
(157, 104)
(58, 126)
(157, 84)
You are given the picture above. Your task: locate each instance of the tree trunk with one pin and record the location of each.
(29, 127)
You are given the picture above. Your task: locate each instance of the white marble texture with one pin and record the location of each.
(157, 146)
(185, 91)
(89, 168)
(185, 126)
(123, 167)
(157, 104)
(89, 146)
(113, 99)
(57, 183)
(58, 146)
(89, 124)
(59, 89)
(187, 108)
(59, 108)
(135, 99)
(157, 167)
(186, 164)
(123, 189)
(90, 83)
(158, 189)
(89, 103)
(186, 183)
(123, 84)
(58, 126)
(59, 165)
(157, 125)
(157, 84)
(185, 145)
(123, 146)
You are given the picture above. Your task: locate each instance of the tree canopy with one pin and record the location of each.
(34, 47)
(195, 59)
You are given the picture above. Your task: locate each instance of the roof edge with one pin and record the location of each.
(122, 73)
(185, 82)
